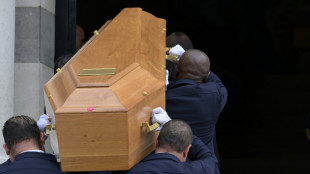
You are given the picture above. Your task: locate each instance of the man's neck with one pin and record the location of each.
(172, 152)
(34, 150)
(24, 146)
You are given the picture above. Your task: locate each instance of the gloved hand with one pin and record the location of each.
(176, 51)
(160, 116)
(167, 77)
(43, 122)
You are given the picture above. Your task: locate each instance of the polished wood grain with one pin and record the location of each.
(98, 117)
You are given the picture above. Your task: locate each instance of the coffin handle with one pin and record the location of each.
(48, 128)
(150, 127)
(170, 57)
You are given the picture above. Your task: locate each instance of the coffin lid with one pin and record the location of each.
(133, 43)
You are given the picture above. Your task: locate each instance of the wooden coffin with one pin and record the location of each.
(98, 117)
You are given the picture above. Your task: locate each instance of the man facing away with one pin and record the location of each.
(175, 142)
(24, 143)
(197, 96)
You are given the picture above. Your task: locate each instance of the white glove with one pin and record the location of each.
(160, 116)
(167, 78)
(43, 122)
(176, 51)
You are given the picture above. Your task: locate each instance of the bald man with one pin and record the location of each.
(197, 96)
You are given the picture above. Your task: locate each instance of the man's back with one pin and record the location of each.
(161, 163)
(32, 163)
(197, 104)
(165, 163)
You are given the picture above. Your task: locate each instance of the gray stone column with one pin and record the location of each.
(34, 55)
(7, 36)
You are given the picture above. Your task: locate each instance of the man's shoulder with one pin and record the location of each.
(31, 162)
(166, 163)
(155, 163)
(190, 88)
(36, 156)
(4, 166)
(181, 83)
(182, 87)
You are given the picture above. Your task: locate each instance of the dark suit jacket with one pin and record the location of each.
(197, 104)
(32, 163)
(161, 163)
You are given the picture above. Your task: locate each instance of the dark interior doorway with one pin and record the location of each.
(261, 51)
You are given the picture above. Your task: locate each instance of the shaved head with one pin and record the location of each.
(194, 64)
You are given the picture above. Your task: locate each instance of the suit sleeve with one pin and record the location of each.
(199, 150)
(221, 88)
(200, 153)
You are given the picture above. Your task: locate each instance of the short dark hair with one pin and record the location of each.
(175, 134)
(62, 60)
(179, 38)
(20, 128)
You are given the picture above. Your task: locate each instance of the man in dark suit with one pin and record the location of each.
(24, 143)
(197, 96)
(175, 142)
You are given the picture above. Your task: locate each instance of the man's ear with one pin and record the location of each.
(185, 152)
(156, 141)
(7, 151)
(42, 141)
(206, 77)
(42, 138)
(176, 70)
